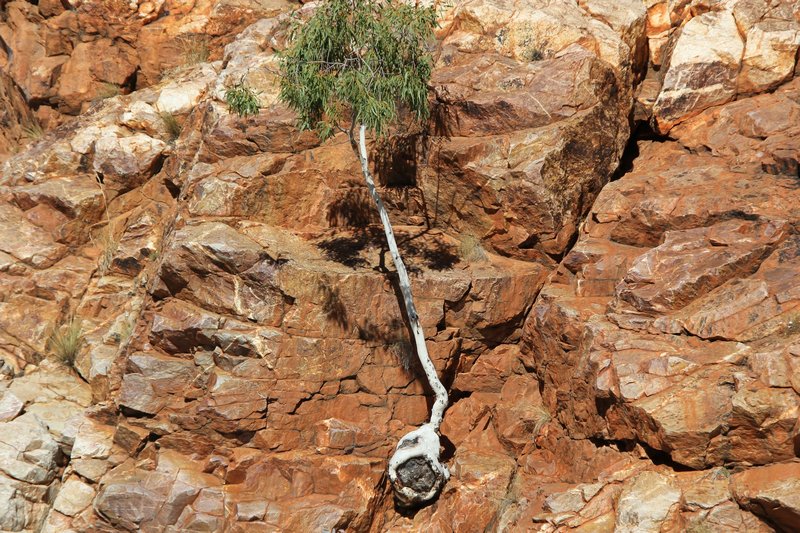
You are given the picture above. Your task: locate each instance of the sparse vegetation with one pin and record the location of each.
(171, 124)
(66, 342)
(350, 68)
(535, 48)
(541, 417)
(470, 249)
(194, 49)
(33, 131)
(242, 99)
(108, 245)
(107, 90)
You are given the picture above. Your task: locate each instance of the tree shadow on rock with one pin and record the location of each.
(396, 160)
(420, 251)
(394, 334)
(347, 249)
(434, 253)
(352, 208)
(334, 308)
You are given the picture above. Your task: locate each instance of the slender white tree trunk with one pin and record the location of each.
(437, 411)
(415, 471)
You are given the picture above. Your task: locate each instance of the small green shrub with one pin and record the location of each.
(470, 248)
(242, 99)
(66, 342)
(171, 124)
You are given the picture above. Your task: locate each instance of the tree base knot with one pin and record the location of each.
(415, 472)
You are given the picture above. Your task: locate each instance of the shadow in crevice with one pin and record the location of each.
(642, 131)
(657, 457)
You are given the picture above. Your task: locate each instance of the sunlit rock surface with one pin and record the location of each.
(615, 313)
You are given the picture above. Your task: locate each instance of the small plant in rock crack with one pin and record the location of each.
(171, 124)
(541, 417)
(107, 90)
(242, 99)
(195, 49)
(470, 249)
(33, 131)
(66, 342)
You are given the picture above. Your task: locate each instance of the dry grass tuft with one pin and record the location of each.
(171, 123)
(33, 131)
(107, 90)
(470, 249)
(195, 49)
(66, 342)
(541, 417)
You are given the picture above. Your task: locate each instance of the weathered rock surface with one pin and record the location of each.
(244, 364)
(711, 52)
(771, 492)
(675, 313)
(67, 56)
(17, 122)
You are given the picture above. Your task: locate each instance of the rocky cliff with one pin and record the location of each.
(602, 220)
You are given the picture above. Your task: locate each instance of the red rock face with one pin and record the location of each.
(621, 346)
(672, 321)
(67, 56)
(18, 124)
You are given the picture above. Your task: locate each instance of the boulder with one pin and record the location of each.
(771, 492)
(73, 497)
(702, 69)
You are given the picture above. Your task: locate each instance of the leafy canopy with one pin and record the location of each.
(357, 60)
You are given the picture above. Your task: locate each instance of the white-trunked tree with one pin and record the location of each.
(351, 67)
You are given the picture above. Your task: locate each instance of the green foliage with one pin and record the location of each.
(66, 342)
(171, 124)
(355, 61)
(242, 99)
